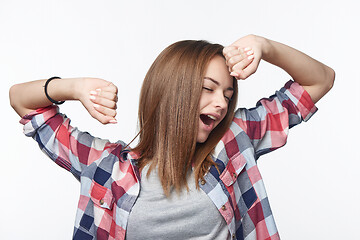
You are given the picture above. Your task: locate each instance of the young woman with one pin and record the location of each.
(193, 174)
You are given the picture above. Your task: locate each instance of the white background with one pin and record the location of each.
(312, 183)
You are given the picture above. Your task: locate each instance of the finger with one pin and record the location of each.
(232, 53)
(235, 50)
(104, 94)
(105, 111)
(103, 102)
(110, 88)
(235, 60)
(228, 49)
(101, 117)
(249, 70)
(240, 65)
(237, 55)
(235, 74)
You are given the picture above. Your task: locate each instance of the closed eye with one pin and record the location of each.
(228, 99)
(208, 89)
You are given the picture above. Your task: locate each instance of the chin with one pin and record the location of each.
(202, 138)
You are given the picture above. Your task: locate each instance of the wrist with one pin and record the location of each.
(266, 47)
(46, 91)
(65, 89)
(76, 85)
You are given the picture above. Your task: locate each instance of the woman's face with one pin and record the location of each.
(215, 97)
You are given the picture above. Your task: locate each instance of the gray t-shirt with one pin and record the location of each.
(190, 215)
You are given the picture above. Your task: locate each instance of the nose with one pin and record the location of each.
(220, 101)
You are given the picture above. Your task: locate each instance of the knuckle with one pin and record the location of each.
(236, 66)
(94, 100)
(244, 75)
(113, 105)
(92, 113)
(99, 108)
(112, 114)
(225, 50)
(113, 88)
(227, 63)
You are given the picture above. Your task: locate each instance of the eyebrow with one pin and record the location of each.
(217, 83)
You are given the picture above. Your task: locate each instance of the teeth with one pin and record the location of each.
(212, 117)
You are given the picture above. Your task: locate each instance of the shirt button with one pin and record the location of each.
(223, 207)
(203, 182)
(101, 201)
(234, 174)
(233, 236)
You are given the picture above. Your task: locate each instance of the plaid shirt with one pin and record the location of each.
(110, 180)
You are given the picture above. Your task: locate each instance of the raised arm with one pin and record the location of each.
(98, 96)
(316, 78)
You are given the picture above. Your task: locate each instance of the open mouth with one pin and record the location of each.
(208, 120)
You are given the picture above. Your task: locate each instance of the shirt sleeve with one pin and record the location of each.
(267, 125)
(65, 145)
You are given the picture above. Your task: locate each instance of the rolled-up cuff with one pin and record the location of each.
(36, 118)
(301, 98)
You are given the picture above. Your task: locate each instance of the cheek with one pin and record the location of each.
(202, 101)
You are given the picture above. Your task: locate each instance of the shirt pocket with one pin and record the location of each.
(238, 184)
(233, 170)
(101, 196)
(101, 214)
(101, 211)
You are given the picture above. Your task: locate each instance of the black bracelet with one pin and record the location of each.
(46, 93)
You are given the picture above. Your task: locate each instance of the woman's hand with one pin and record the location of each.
(243, 56)
(99, 97)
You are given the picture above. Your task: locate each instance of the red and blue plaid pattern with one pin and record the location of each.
(110, 180)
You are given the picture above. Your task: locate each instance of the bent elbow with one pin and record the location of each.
(12, 96)
(332, 77)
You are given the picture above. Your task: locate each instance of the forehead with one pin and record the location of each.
(218, 71)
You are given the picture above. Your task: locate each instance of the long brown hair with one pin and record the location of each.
(169, 114)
